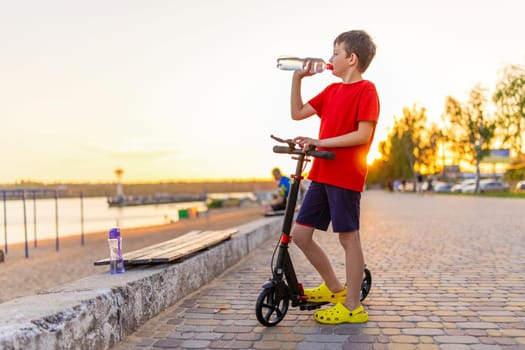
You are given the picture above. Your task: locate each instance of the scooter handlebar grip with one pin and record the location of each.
(314, 153)
(323, 154)
(282, 149)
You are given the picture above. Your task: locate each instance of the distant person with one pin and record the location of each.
(430, 186)
(348, 112)
(419, 184)
(397, 185)
(305, 183)
(280, 197)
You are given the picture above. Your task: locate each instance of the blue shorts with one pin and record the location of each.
(324, 203)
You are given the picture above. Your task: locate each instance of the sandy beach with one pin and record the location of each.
(46, 268)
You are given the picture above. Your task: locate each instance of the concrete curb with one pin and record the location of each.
(98, 311)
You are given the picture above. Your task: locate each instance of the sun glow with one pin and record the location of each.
(373, 155)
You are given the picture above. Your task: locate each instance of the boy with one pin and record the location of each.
(281, 195)
(348, 111)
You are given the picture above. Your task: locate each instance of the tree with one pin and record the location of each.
(470, 129)
(397, 165)
(411, 146)
(432, 137)
(510, 106)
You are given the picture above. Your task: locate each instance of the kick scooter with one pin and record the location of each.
(283, 288)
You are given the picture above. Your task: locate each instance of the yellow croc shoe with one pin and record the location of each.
(338, 314)
(323, 294)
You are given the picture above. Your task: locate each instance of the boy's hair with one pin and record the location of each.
(360, 43)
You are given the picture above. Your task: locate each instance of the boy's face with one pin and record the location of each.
(339, 60)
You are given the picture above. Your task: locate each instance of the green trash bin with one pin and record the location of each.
(183, 214)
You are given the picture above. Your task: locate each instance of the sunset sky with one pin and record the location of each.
(172, 89)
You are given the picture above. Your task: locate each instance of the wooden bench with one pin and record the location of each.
(174, 249)
(275, 213)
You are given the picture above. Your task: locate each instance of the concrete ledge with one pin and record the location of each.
(98, 311)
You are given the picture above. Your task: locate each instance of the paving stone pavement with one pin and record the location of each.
(448, 273)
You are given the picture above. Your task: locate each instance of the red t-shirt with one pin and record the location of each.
(340, 107)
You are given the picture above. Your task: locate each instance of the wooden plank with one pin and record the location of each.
(179, 245)
(171, 241)
(275, 213)
(174, 249)
(144, 252)
(203, 240)
(197, 240)
(209, 239)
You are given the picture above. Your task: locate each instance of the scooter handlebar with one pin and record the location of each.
(323, 154)
(313, 153)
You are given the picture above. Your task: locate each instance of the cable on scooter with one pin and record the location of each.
(275, 251)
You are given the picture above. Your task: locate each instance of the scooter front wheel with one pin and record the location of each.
(271, 306)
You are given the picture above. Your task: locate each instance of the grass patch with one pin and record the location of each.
(502, 194)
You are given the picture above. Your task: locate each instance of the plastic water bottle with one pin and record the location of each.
(116, 262)
(296, 63)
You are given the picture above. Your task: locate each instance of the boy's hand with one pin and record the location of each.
(307, 72)
(306, 142)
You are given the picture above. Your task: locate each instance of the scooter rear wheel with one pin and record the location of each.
(271, 306)
(366, 285)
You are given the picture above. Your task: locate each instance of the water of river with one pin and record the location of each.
(40, 217)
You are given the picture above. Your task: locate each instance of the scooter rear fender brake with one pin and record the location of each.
(270, 284)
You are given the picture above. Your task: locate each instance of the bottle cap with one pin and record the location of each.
(329, 66)
(114, 233)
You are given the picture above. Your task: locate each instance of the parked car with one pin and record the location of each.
(442, 186)
(487, 185)
(520, 186)
(459, 187)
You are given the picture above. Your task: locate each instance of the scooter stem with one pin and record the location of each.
(292, 197)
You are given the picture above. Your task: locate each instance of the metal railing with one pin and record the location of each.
(23, 194)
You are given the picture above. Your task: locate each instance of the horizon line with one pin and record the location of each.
(131, 182)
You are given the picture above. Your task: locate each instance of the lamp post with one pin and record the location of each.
(120, 193)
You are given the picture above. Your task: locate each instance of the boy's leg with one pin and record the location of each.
(354, 264)
(344, 211)
(303, 238)
(315, 213)
(351, 311)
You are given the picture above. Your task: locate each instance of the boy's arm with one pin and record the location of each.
(361, 136)
(298, 109)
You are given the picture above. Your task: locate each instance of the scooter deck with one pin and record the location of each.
(310, 305)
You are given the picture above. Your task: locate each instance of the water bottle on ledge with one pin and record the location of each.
(116, 262)
(296, 63)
